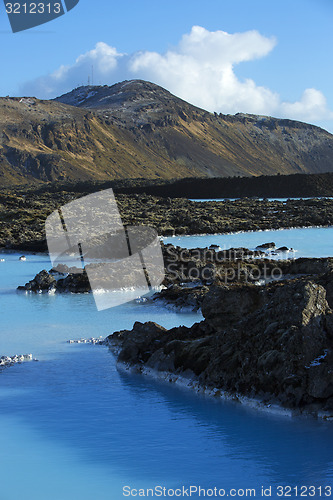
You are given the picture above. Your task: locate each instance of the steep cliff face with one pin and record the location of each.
(138, 129)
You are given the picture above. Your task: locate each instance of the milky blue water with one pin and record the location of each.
(73, 427)
(306, 242)
(260, 199)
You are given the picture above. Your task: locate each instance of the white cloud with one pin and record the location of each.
(103, 58)
(312, 107)
(200, 69)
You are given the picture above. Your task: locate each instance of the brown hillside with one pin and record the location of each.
(137, 129)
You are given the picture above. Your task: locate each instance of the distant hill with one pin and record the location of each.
(137, 129)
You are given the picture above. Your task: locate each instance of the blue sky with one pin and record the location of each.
(259, 56)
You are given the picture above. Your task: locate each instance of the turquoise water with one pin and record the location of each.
(307, 242)
(260, 199)
(74, 427)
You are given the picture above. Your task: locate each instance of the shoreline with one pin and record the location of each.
(162, 237)
(271, 344)
(190, 382)
(268, 359)
(327, 226)
(193, 384)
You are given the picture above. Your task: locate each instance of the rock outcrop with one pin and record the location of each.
(273, 343)
(70, 282)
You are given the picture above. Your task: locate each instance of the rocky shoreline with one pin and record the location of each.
(190, 273)
(272, 344)
(185, 269)
(267, 333)
(269, 341)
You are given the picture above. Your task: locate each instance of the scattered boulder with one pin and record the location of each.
(266, 246)
(42, 282)
(284, 249)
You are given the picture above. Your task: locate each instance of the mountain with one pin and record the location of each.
(136, 129)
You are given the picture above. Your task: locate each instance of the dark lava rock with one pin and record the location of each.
(183, 298)
(46, 282)
(43, 282)
(29, 207)
(74, 283)
(267, 245)
(275, 343)
(147, 334)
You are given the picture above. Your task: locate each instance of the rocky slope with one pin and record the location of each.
(137, 129)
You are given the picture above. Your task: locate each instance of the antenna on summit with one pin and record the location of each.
(92, 75)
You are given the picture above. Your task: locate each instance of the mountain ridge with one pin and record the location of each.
(136, 129)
